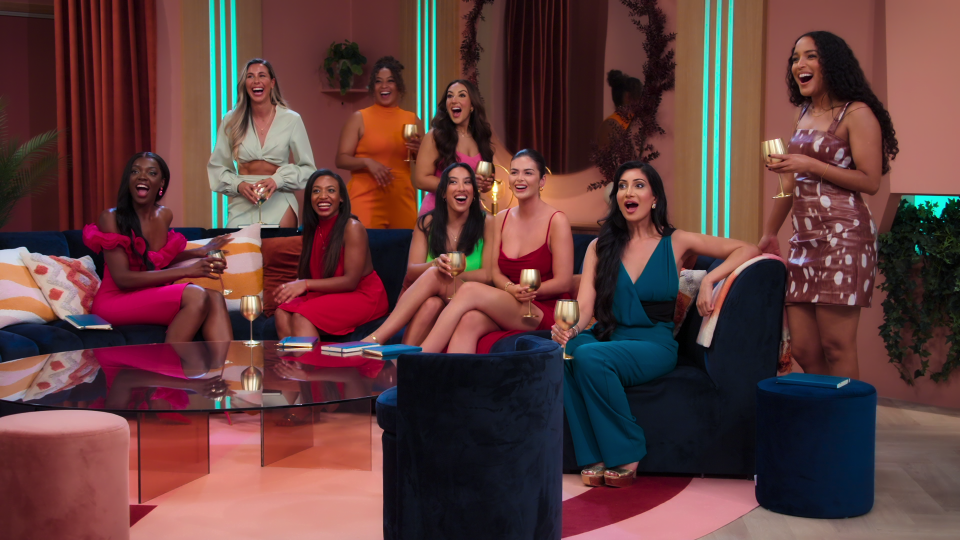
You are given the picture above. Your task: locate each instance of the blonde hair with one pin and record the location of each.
(237, 122)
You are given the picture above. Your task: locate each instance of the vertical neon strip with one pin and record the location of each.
(213, 106)
(433, 63)
(729, 121)
(233, 52)
(704, 144)
(717, 59)
(426, 60)
(224, 92)
(419, 67)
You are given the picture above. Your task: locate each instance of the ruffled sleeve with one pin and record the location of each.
(98, 241)
(176, 243)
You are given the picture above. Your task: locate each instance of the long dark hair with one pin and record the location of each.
(436, 231)
(846, 82)
(311, 221)
(613, 239)
(396, 70)
(445, 132)
(128, 223)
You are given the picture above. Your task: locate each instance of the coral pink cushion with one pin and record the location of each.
(64, 474)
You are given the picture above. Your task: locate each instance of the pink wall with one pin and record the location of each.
(296, 35)
(29, 87)
(169, 143)
(892, 69)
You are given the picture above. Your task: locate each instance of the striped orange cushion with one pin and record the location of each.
(21, 300)
(244, 273)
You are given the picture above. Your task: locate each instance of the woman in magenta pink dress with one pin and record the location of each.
(459, 133)
(138, 246)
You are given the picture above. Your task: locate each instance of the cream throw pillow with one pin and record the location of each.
(244, 273)
(21, 300)
(69, 285)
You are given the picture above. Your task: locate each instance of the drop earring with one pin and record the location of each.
(652, 206)
(160, 194)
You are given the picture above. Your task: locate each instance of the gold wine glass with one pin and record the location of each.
(774, 146)
(458, 263)
(530, 278)
(566, 314)
(251, 307)
(220, 255)
(261, 191)
(409, 132)
(251, 378)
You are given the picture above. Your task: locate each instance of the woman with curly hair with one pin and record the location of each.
(459, 133)
(842, 146)
(373, 149)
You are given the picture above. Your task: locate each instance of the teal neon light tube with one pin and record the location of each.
(233, 52)
(704, 145)
(433, 63)
(419, 66)
(717, 59)
(729, 121)
(224, 92)
(213, 104)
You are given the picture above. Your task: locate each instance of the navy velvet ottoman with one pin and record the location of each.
(815, 449)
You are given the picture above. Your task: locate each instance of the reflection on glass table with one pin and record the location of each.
(315, 410)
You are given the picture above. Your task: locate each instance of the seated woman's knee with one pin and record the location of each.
(434, 303)
(472, 287)
(216, 298)
(195, 297)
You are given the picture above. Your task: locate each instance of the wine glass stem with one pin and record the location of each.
(530, 309)
(251, 331)
(409, 155)
(259, 219)
(780, 178)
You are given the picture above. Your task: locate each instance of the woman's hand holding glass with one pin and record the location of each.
(443, 265)
(207, 267)
(248, 191)
(291, 290)
(521, 293)
(562, 336)
(266, 186)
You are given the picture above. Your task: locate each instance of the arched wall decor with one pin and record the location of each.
(659, 76)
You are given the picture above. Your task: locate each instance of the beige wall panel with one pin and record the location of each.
(249, 31)
(196, 111)
(746, 182)
(685, 208)
(408, 52)
(448, 44)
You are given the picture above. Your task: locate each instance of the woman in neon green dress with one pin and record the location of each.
(630, 282)
(457, 223)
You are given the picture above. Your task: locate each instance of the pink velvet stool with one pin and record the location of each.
(64, 474)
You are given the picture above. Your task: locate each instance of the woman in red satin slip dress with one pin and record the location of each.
(138, 246)
(842, 145)
(338, 289)
(533, 235)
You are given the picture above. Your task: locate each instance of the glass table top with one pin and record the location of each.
(197, 376)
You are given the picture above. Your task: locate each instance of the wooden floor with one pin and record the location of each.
(917, 486)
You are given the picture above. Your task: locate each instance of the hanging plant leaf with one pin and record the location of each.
(343, 62)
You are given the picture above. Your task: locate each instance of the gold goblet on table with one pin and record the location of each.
(566, 314)
(774, 146)
(458, 263)
(530, 278)
(251, 378)
(220, 255)
(251, 307)
(409, 132)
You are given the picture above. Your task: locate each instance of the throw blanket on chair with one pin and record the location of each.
(720, 290)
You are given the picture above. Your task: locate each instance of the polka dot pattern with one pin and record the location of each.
(833, 251)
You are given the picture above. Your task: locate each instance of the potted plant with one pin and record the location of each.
(343, 59)
(24, 168)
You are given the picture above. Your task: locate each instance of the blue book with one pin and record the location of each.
(390, 351)
(88, 322)
(350, 348)
(297, 342)
(808, 379)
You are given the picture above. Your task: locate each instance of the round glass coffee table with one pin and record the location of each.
(315, 409)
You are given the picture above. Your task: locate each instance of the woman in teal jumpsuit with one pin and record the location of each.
(630, 281)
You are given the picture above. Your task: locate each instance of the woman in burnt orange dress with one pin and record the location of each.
(373, 149)
(842, 145)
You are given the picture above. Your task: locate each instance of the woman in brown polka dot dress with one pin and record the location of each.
(843, 142)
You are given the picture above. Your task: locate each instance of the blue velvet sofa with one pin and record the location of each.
(701, 417)
(389, 250)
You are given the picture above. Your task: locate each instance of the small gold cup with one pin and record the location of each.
(566, 314)
(774, 146)
(458, 263)
(530, 278)
(221, 255)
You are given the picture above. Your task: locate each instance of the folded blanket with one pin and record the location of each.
(720, 290)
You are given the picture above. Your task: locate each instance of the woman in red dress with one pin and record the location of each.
(138, 246)
(533, 235)
(338, 289)
(842, 145)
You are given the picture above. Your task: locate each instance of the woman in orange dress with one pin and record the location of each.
(373, 149)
